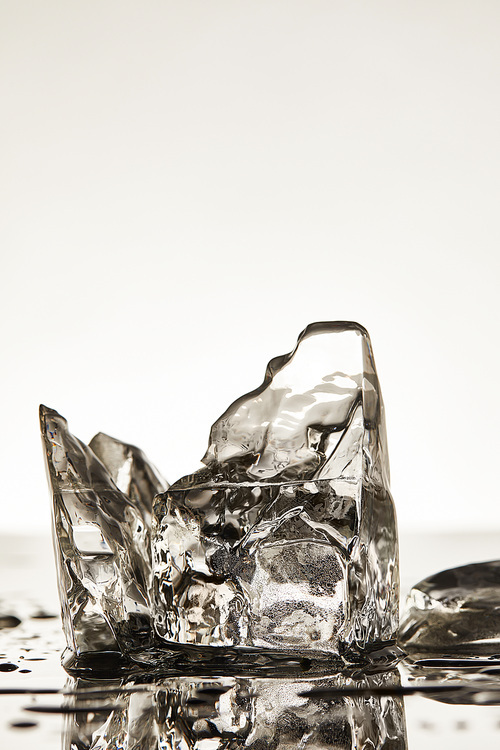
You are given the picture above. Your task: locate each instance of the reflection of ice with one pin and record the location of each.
(262, 714)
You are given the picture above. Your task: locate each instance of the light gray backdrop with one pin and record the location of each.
(185, 185)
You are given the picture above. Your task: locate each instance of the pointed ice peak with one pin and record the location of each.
(70, 461)
(131, 471)
(284, 428)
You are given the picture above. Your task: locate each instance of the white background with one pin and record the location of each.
(185, 185)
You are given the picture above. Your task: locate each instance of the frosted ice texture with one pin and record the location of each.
(454, 613)
(286, 539)
(237, 713)
(102, 500)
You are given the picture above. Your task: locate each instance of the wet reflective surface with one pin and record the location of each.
(438, 703)
(236, 712)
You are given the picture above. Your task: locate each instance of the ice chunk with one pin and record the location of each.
(287, 538)
(454, 613)
(101, 536)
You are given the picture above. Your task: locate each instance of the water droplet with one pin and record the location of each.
(8, 667)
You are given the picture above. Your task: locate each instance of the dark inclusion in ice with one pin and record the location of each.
(102, 501)
(287, 539)
(454, 613)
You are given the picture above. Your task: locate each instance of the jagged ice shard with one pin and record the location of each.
(286, 540)
(102, 500)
